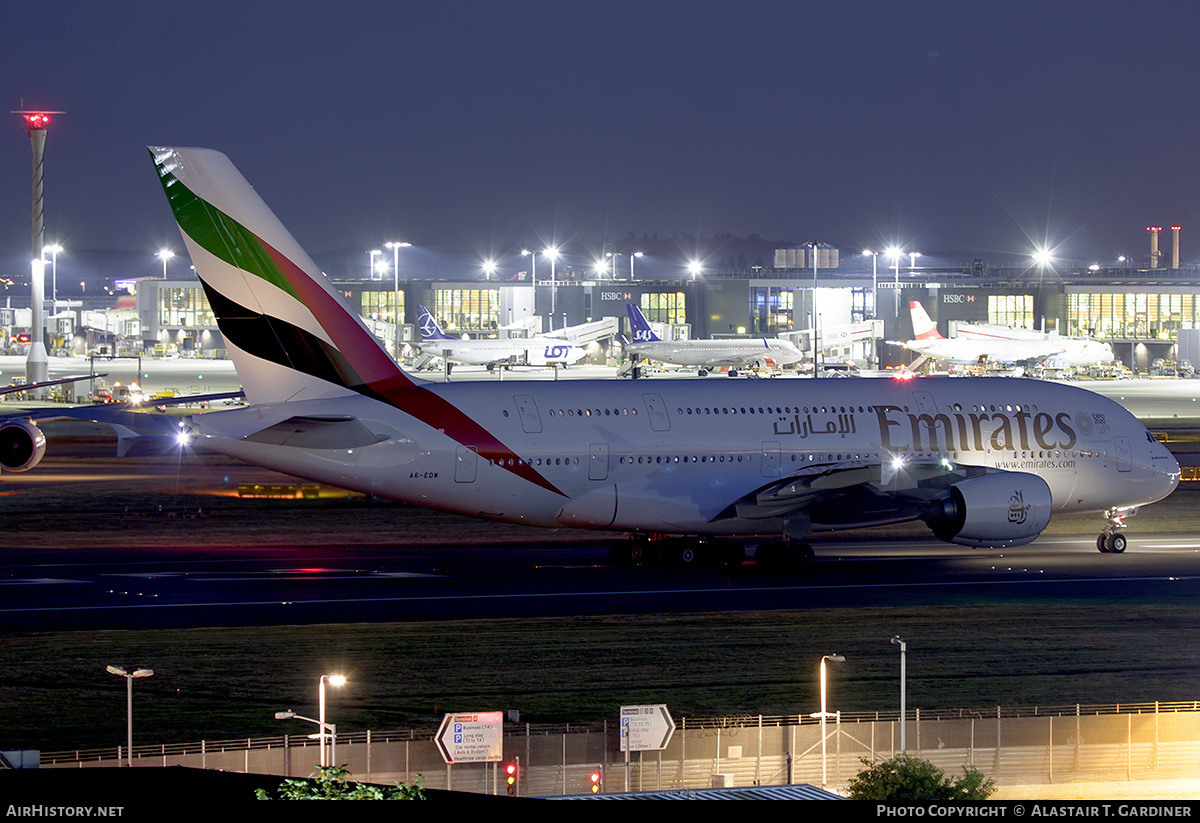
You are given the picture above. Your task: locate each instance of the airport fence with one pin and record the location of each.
(1014, 746)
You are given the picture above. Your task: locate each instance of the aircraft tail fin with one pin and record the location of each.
(923, 327)
(430, 330)
(640, 326)
(289, 332)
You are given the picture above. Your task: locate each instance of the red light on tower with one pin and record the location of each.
(36, 120)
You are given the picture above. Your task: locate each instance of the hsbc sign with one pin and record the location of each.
(616, 295)
(958, 298)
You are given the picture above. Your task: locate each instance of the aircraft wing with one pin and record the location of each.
(968, 505)
(120, 413)
(12, 389)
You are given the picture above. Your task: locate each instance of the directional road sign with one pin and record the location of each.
(647, 728)
(471, 738)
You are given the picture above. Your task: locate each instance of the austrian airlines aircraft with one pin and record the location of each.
(706, 354)
(971, 347)
(532, 351)
(689, 467)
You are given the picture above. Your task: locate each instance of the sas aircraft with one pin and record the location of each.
(975, 347)
(532, 351)
(706, 355)
(691, 469)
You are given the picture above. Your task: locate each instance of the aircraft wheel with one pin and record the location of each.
(688, 556)
(702, 372)
(1100, 544)
(733, 372)
(805, 556)
(1115, 543)
(637, 553)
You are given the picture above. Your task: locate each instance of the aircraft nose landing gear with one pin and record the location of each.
(1111, 541)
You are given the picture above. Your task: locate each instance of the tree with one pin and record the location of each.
(910, 778)
(333, 783)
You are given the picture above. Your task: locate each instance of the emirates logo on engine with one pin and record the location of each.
(1017, 508)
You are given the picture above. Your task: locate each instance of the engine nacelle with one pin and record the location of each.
(992, 511)
(22, 446)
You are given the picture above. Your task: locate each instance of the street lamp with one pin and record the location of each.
(614, 255)
(371, 265)
(896, 641)
(332, 727)
(489, 268)
(53, 251)
(694, 268)
(129, 676)
(334, 680)
(894, 253)
(552, 253)
(631, 257)
(832, 658)
(395, 247)
(164, 255)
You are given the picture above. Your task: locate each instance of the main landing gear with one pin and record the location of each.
(784, 554)
(1111, 541)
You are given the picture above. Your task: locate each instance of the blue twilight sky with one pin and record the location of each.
(958, 128)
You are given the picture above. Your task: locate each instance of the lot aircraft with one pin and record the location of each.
(530, 351)
(735, 353)
(691, 468)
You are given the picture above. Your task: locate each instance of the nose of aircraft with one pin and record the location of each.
(1164, 467)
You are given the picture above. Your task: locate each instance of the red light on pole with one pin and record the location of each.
(36, 120)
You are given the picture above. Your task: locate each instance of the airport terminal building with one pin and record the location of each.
(1139, 311)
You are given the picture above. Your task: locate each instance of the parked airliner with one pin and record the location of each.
(690, 467)
(530, 351)
(982, 346)
(734, 353)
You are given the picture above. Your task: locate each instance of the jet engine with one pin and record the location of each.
(22, 445)
(992, 511)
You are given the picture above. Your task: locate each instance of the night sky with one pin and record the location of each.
(961, 129)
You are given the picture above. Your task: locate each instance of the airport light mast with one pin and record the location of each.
(36, 366)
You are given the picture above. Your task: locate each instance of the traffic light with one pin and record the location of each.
(597, 778)
(512, 775)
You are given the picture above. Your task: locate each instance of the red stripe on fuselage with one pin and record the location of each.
(385, 379)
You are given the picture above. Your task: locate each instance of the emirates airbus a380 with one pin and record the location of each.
(689, 467)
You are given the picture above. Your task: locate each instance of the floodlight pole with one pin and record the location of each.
(129, 677)
(37, 368)
(896, 641)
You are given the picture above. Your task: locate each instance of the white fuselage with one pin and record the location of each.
(717, 353)
(533, 351)
(1073, 351)
(683, 457)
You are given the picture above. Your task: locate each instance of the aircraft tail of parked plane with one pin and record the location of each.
(639, 326)
(923, 327)
(430, 330)
(687, 467)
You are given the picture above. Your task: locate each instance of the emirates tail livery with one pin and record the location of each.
(691, 468)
